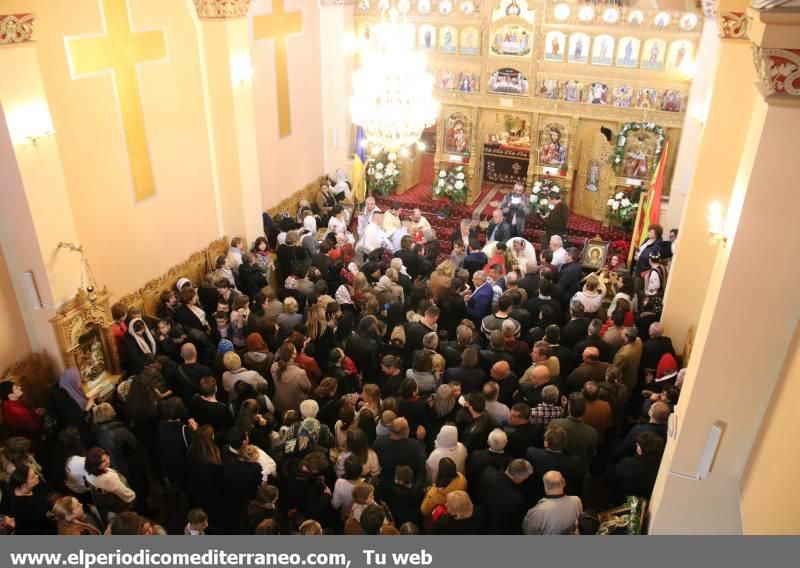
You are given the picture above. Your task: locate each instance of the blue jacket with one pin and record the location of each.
(480, 304)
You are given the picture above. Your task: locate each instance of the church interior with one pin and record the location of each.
(143, 142)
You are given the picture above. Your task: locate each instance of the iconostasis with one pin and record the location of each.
(525, 87)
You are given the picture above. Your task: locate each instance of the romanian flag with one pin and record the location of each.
(359, 169)
(651, 208)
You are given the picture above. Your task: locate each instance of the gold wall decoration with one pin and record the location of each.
(84, 337)
(278, 26)
(16, 28)
(119, 51)
(595, 178)
(222, 8)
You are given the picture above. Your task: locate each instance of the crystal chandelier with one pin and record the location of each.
(392, 90)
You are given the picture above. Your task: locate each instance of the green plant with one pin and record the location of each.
(383, 175)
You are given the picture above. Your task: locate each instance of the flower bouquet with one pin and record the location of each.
(382, 175)
(622, 208)
(451, 183)
(540, 202)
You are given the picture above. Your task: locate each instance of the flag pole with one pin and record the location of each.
(640, 212)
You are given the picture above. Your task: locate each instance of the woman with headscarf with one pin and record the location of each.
(342, 189)
(257, 357)
(71, 404)
(446, 446)
(140, 345)
(387, 292)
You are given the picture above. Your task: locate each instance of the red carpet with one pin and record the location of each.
(579, 229)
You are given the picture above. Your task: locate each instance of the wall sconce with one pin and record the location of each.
(30, 123)
(241, 69)
(717, 227)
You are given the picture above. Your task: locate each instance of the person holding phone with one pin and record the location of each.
(515, 208)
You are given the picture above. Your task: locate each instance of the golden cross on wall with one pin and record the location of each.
(119, 51)
(278, 26)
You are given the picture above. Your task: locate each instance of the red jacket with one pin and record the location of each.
(21, 420)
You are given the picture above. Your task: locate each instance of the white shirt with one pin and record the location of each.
(365, 219)
(397, 237)
(374, 238)
(76, 472)
(559, 257)
(235, 259)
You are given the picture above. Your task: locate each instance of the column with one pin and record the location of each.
(335, 25)
(723, 137)
(36, 213)
(224, 36)
(748, 321)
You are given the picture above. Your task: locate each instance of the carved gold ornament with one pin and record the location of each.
(16, 28)
(222, 8)
(778, 70)
(733, 25)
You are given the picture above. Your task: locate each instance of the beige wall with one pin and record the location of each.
(770, 482)
(288, 164)
(14, 343)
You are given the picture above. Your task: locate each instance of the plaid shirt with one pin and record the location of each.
(544, 413)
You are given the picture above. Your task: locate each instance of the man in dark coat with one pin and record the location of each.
(522, 433)
(465, 233)
(556, 221)
(476, 259)
(499, 230)
(467, 374)
(554, 457)
(593, 340)
(655, 348)
(502, 498)
(577, 328)
(242, 478)
(570, 274)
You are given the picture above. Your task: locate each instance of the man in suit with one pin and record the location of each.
(530, 281)
(591, 369)
(569, 277)
(593, 340)
(499, 230)
(581, 438)
(465, 232)
(655, 348)
(555, 223)
(411, 260)
(628, 358)
(503, 499)
(515, 208)
(242, 478)
(577, 328)
(554, 457)
(479, 302)
(476, 259)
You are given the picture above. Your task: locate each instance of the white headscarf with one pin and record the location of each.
(343, 295)
(310, 224)
(147, 344)
(341, 186)
(182, 282)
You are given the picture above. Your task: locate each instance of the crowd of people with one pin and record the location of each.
(363, 383)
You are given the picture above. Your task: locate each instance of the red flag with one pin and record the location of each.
(651, 208)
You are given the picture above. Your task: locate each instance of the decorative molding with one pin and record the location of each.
(778, 71)
(222, 8)
(336, 2)
(16, 28)
(709, 8)
(767, 4)
(733, 25)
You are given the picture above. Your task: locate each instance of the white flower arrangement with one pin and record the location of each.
(540, 192)
(383, 174)
(622, 207)
(451, 184)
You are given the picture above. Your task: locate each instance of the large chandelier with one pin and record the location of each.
(392, 90)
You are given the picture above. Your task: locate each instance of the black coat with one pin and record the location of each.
(520, 438)
(456, 236)
(556, 222)
(503, 231)
(575, 331)
(174, 437)
(69, 413)
(569, 277)
(364, 353)
(632, 476)
(118, 442)
(479, 462)
(411, 261)
(502, 502)
(187, 319)
(204, 488)
(652, 351)
(447, 524)
(415, 332)
(544, 460)
(488, 357)
(404, 503)
(591, 341)
(453, 312)
(215, 414)
(251, 279)
(472, 379)
(530, 283)
(475, 261)
(241, 480)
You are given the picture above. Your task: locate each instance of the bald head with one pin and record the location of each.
(591, 354)
(540, 375)
(188, 353)
(659, 412)
(656, 329)
(500, 370)
(399, 428)
(553, 483)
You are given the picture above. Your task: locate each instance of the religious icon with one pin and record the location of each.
(680, 53)
(598, 94)
(611, 16)
(653, 54)
(647, 97)
(635, 17)
(672, 101)
(578, 48)
(634, 165)
(622, 97)
(603, 50)
(662, 20)
(688, 22)
(593, 175)
(513, 9)
(586, 14)
(508, 81)
(468, 83)
(447, 40)
(628, 52)
(549, 89)
(511, 39)
(554, 46)
(573, 91)
(470, 41)
(427, 37)
(457, 134)
(595, 254)
(553, 153)
(404, 6)
(363, 5)
(467, 7)
(424, 6)
(445, 7)
(446, 81)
